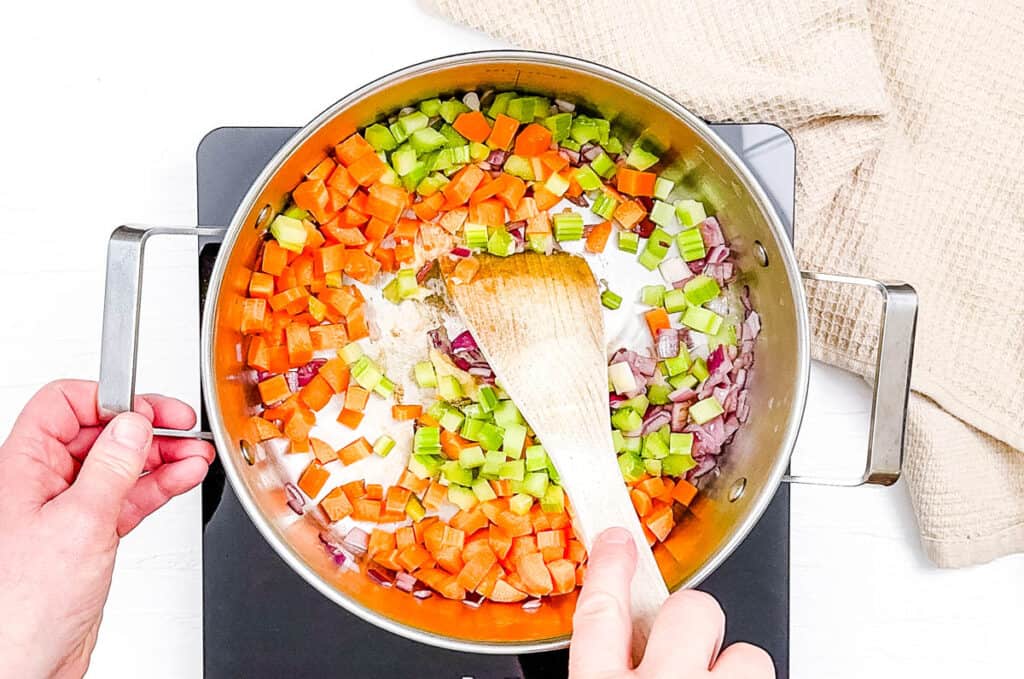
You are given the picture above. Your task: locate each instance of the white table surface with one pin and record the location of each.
(104, 104)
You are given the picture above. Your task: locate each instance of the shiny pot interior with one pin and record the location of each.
(731, 502)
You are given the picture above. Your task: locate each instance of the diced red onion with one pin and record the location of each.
(711, 232)
(731, 426)
(296, 500)
(675, 272)
(480, 371)
(405, 581)
(590, 151)
(577, 200)
(682, 395)
(439, 340)
(742, 406)
(680, 414)
(717, 254)
(485, 166)
(532, 604)
(722, 273)
(668, 343)
(745, 296)
(356, 541)
(473, 600)
(645, 364)
(461, 252)
(307, 372)
(381, 576)
(292, 378)
(645, 228)
(685, 338)
(497, 158)
(718, 362)
(655, 421)
(572, 156)
(464, 341)
(697, 266)
(751, 326)
(721, 393)
(741, 377)
(422, 593)
(518, 224)
(731, 351)
(471, 100)
(615, 400)
(703, 467)
(424, 272)
(565, 106)
(262, 375)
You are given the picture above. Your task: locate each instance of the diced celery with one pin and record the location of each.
(450, 110)
(520, 504)
(414, 509)
(475, 235)
(407, 284)
(611, 300)
(430, 107)
(449, 388)
(684, 382)
(483, 491)
(488, 399)
(424, 374)
(618, 441)
(438, 409)
(442, 160)
(351, 352)
(559, 124)
(652, 295)
(654, 446)
(296, 212)
(454, 472)
(626, 419)
(557, 184)
(513, 440)
(655, 249)
(473, 410)
(416, 175)
(491, 436)
(662, 213)
(631, 466)
(478, 151)
(604, 206)
(707, 409)
(506, 414)
(629, 241)
(679, 364)
(518, 166)
(513, 470)
(726, 335)
(663, 188)
(665, 432)
(380, 137)
(587, 178)
(604, 165)
(701, 289)
(424, 466)
(638, 403)
(613, 145)
(427, 440)
(536, 483)
(384, 387)
(552, 472)
(369, 377)
(700, 369)
(536, 458)
(622, 377)
(499, 104)
(383, 445)
(289, 233)
(690, 212)
(691, 245)
(471, 457)
(460, 155)
(569, 143)
(501, 243)
(702, 320)
(568, 226)
(604, 128)
(674, 301)
(658, 393)
(553, 501)
(677, 465)
(333, 279)
(451, 420)
(525, 109)
(493, 459)
(410, 122)
(462, 497)
(431, 185)
(451, 136)
(584, 129)
(640, 158)
(680, 444)
(652, 466)
(632, 444)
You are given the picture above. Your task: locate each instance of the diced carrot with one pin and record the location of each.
(406, 411)
(641, 502)
(355, 451)
(297, 427)
(492, 508)
(340, 299)
(629, 213)
(450, 559)
(551, 538)
(403, 252)
(452, 444)
(323, 451)
(684, 492)
(503, 132)
(275, 258)
(406, 230)
(287, 297)
(575, 551)
(387, 559)
(316, 393)
(330, 258)
(469, 521)
(361, 266)
(476, 568)
(375, 491)
(635, 183)
(311, 195)
(299, 446)
(545, 199)
(336, 373)
(597, 239)
(436, 494)
(503, 592)
(559, 520)
(300, 346)
(278, 359)
(449, 588)
(350, 216)
(541, 170)
(350, 418)
(526, 208)
(534, 574)
(554, 161)
(332, 336)
(453, 537)
(462, 185)
(490, 212)
(413, 483)
(476, 543)
(499, 541)
(657, 319)
(261, 285)
(354, 489)
(386, 202)
(314, 238)
(486, 189)
(344, 235)
(473, 126)
(396, 499)
(512, 192)
(405, 536)
(367, 169)
(514, 524)
(356, 398)
(427, 421)
(539, 519)
(336, 505)
(524, 544)
(533, 140)
(502, 487)
(452, 220)
(431, 577)
(380, 541)
(563, 576)
(428, 208)
(342, 183)
(486, 585)
(253, 316)
(465, 270)
(313, 478)
(660, 522)
(352, 148)
(413, 557)
(653, 486)
(365, 509)
(433, 536)
(322, 170)
(274, 389)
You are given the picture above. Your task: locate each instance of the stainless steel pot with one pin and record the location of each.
(731, 502)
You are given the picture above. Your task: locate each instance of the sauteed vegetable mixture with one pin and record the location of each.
(434, 482)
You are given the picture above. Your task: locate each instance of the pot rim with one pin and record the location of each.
(657, 97)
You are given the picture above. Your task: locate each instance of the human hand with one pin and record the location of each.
(70, 488)
(686, 640)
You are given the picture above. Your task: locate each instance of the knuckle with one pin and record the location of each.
(597, 605)
(698, 604)
(754, 659)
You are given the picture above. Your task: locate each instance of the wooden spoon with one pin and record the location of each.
(538, 321)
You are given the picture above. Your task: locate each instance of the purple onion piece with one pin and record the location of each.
(581, 201)
(572, 156)
(711, 233)
(680, 414)
(381, 576)
(422, 593)
(532, 604)
(668, 343)
(356, 541)
(473, 600)
(461, 252)
(485, 166)
(682, 395)
(439, 340)
(697, 266)
(516, 225)
(645, 228)
(497, 158)
(464, 341)
(307, 372)
(262, 375)
(424, 272)
(405, 582)
(296, 507)
(292, 378)
(655, 421)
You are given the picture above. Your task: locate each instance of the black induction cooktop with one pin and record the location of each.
(262, 621)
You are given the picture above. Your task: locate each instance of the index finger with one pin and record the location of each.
(602, 626)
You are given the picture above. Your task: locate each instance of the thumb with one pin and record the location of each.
(112, 467)
(601, 625)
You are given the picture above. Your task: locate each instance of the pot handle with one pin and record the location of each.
(891, 388)
(121, 298)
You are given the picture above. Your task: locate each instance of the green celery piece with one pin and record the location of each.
(658, 393)
(659, 242)
(411, 122)
(449, 388)
(700, 369)
(488, 399)
(430, 107)
(536, 458)
(604, 166)
(604, 128)
(483, 491)
(442, 160)
(518, 166)
(289, 233)
(453, 472)
(662, 213)
(690, 212)
(680, 444)
(618, 440)
(613, 146)
(652, 466)
(568, 226)
(679, 364)
(513, 470)
(674, 301)
(559, 124)
(438, 410)
(702, 320)
(452, 137)
(380, 137)
(416, 175)
(460, 155)
(493, 459)
(425, 466)
(521, 108)
(570, 144)
(665, 432)
(638, 403)
(611, 300)
(640, 158)
(403, 158)
(351, 352)
(500, 102)
(427, 437)
(514, 440)
(407, 285)
(383, 445)
(450, 110)
(536, 483)
(368, 378)
(663, 188)
(726, 335)
(424, 374)
(414, 509)
(471, 457)
(587, 178)
(390, 177)
(701, 289)
(552, 472)
(520, 504)
(584, 129)
(539, 242)
(390, 292)
(506, 414)
(707, 409)
(655, 446)
(629, 241)
(491, 436)
(296, 212)
(475, 411)
(684, 382)
(478, 152)
(451, 420)
(691, 245)
(557, 184)
(501, 243)
(677, 465)
(384, 388)
(652, 295)
(462, 497)
(553, 501)
(626, 419)
(633, 444)
(475, 235)
(604, 206)
(471, 429)
(631, 466)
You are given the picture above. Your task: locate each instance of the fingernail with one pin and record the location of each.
(129, 431)
(616, 536)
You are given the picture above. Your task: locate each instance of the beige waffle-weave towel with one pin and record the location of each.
(909, 125)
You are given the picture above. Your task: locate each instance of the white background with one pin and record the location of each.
(103, 106)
